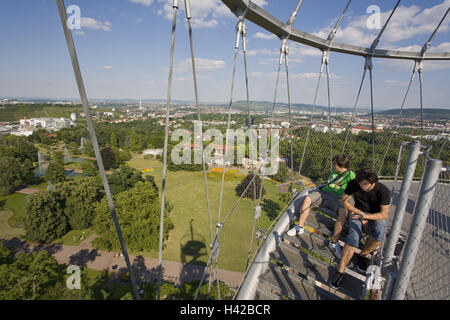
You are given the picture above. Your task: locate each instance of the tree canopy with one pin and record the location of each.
(45, 220)
(250, 193)
(27, 276)
(79, 197)
(55, 172)
(138, 211)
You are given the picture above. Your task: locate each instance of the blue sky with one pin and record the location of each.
(123, 48)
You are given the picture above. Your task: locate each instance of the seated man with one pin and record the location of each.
(329, 197)
(372, 201)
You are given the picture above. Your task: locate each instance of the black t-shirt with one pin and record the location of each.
(371, 201)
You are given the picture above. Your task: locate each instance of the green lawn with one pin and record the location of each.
(6, 231)
(190, 239)
(12, 212)
(74, 237)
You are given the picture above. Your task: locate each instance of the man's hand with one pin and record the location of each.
(358, 216)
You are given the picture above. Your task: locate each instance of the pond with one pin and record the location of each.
(42, 169)
(40, 172)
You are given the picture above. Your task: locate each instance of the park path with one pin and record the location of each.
(28, 190)
(145, 268)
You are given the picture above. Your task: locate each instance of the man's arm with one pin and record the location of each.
(362, 215)
(348, 206)
(378, 216)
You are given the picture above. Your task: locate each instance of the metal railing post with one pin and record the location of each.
(396, 227)
(431, 176)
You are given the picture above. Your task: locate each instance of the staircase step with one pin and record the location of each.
(320, 223)
(287, 284)
(318, 247)
(314, 243)
(314, 270)
(327, 212)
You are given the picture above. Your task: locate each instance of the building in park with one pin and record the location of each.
(53, 124)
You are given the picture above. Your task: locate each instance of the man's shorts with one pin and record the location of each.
(325, 199)
(377, 229)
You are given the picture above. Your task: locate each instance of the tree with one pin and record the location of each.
(11, 175)
(87, 148)
(41, 136)
(88, 169)
(135, 143)
(240, 188)
(113, 141)
(60, 291)
(282, 173)
(28, 170)
(45, 220)
(79, 197)
(122, 156)
(151, 179)
(124, 179)
(55, 171)
(108, 157)
(28, 276)
(5, 254)
(138, 211)
(182, 166)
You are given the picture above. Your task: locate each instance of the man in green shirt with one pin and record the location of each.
(329, 197)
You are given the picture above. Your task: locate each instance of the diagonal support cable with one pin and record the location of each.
(329, 111)
(240, 30)
(369, 66)
(325, 60)
(418, 68)
(91, 129)
(194, 73)
(166, 138)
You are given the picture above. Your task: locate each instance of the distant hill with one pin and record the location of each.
(428, 114)
(11, 112)
(267, 106)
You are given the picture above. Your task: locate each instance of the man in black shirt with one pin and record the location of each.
(372, 201)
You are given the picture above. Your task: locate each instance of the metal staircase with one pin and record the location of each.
(300, 267)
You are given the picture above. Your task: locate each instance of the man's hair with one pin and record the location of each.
(341, 160)
(366, 174)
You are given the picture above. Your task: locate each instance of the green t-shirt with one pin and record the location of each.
(339, 186)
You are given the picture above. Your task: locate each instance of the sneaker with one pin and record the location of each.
(295, 230)
(336, 249)
(336, 280)
(362, 264)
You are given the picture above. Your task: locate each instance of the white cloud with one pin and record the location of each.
(200, 64)
(406, 23)
(307, 76)
(402, 65)
(299, 51)
(205, 13)
(396, 82)
(106, 67)
(199, 77)
(262, 35)
(144, 2)
(407, 65)
(260, 3)
(91, 23)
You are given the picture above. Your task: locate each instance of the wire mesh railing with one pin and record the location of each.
(430, 277)
(306, 149)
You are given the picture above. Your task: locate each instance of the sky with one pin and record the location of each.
(123, 47)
